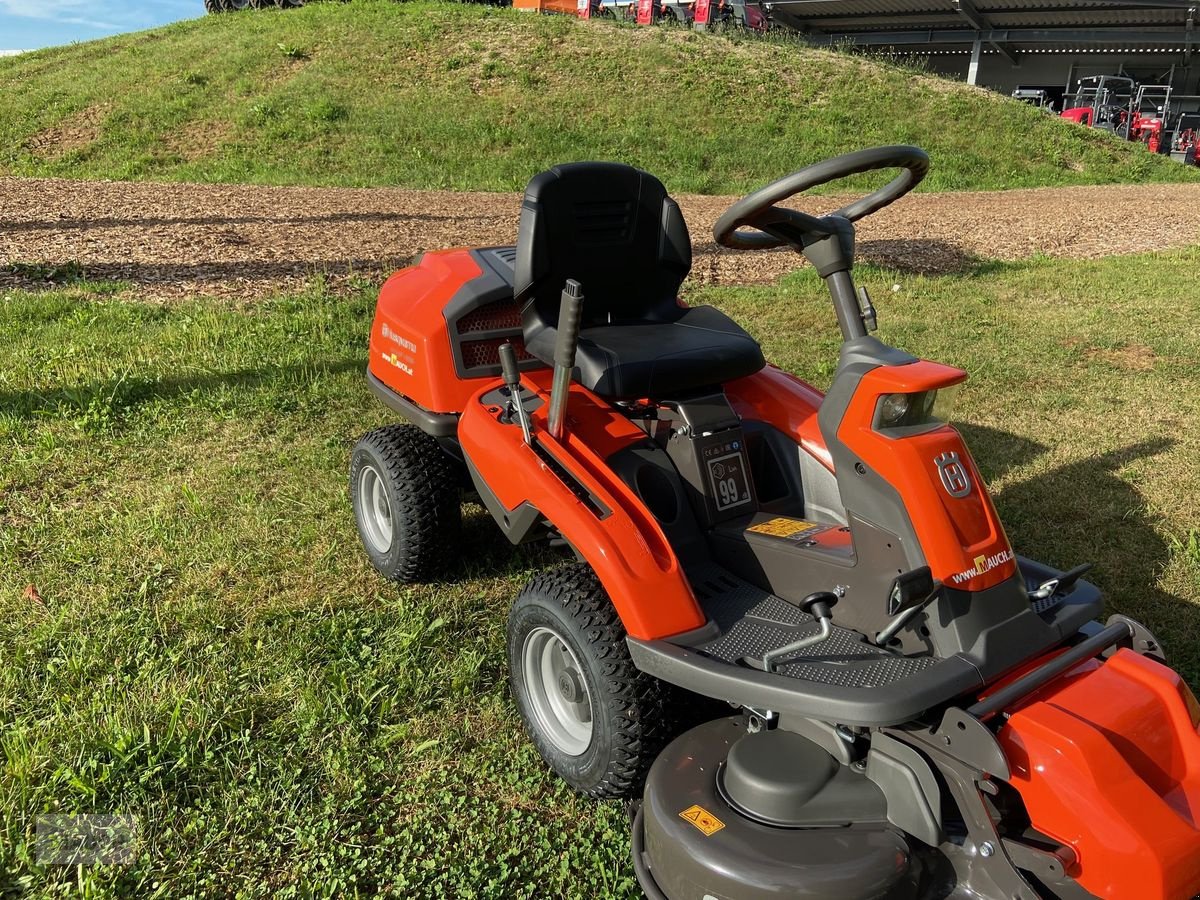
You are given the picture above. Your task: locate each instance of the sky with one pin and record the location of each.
(33, 24)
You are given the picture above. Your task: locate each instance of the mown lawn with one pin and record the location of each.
(466, 96)
(207, 648)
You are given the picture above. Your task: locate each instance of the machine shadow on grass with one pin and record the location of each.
(186, 279)
(122, 395)
(923, 257)
(1085, 512)
(488, 553)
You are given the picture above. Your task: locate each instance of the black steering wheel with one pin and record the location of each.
(778, 225)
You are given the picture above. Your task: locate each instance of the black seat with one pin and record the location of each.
(613, 229)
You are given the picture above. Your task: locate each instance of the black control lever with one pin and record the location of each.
(512, 380)
(570, 312)
(818, 605)
(1060, 584)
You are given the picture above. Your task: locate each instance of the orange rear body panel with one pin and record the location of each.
(1107, 761)
(627, 549)
(410, 344)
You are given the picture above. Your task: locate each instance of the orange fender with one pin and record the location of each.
(623, 543)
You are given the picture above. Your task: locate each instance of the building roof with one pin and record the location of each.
(1006, 26)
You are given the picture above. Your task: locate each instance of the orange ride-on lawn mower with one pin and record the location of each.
(913, 710)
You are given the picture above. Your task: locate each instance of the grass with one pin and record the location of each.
(207, 648)
(444, 95)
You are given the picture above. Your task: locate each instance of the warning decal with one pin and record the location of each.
(787, 528)
(702, 819)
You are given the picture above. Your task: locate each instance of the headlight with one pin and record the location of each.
(893, 408)
(914, 413)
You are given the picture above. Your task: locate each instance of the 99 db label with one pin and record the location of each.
(727, 480)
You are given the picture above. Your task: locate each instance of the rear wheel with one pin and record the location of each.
(596, 720)
(405, 495)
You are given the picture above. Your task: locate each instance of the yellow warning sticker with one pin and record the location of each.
(702, 819)
(785, 527)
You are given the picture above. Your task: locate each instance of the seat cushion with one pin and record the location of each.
(702, 348)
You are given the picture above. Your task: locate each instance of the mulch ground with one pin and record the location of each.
(245, 242)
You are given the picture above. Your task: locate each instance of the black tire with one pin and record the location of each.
(421, 488)
(628, 722)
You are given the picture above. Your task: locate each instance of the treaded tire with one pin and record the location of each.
(629, 725)
(422, 494)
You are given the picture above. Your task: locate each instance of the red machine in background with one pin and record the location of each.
(1184, 139)
(1148, 130)
(1134, 112)
(1102, 101)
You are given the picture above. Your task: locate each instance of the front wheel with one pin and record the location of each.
(595, 719)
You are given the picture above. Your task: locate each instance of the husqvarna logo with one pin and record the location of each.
(955, 479)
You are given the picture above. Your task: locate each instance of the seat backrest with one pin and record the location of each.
(610, 227)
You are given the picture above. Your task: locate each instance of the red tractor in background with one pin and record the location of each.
(1149, 112)
(1185, 138)
(1102, 101)
(1148, 130)
(1131, 111)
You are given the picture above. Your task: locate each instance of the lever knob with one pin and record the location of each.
(508, 364)
(820, 604)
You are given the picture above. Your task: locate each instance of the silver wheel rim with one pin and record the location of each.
(558, 692)
(375, 510)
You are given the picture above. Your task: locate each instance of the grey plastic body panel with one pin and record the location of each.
(439, 425)
(861, 573)
(494, 285)
(822, 498)
(914, 799)
(864, 492)
(782, 778)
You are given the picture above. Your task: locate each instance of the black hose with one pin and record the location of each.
(638, 839)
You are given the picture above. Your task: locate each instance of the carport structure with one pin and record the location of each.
(1010, 43)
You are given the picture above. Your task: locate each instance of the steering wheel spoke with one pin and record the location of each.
(777, 225)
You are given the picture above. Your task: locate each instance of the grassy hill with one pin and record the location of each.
(434, 95)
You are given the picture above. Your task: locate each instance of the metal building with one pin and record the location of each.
(1005, 44)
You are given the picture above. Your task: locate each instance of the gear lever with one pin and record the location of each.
(818, 605)
(512, 379)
